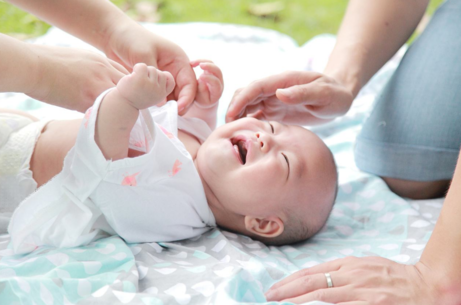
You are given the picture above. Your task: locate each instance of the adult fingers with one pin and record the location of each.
(322, 268)
(118, 66)
(331, 266)
(114, 57)
(196, 62)
(252, 94)
(259, 115)
(254, 111)
(116, 76)
(264, 88)
(297, 287)
(305, 285)
(315, 94)
(245, 98)
(329, 295)
(186, 88)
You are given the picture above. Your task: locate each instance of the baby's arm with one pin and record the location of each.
(119, 110)
(210, 88)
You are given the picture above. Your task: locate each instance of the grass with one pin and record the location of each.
(300, 19)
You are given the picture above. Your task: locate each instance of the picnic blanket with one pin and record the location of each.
(221, 267)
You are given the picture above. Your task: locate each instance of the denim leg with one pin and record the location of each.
(414, 130)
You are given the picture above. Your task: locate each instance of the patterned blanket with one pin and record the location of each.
(221, 267)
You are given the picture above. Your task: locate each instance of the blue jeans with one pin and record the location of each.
(414, 130)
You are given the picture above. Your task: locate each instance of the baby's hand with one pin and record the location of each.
(145, 86)
(210, 83)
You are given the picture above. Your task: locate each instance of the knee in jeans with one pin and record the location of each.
(417, 189)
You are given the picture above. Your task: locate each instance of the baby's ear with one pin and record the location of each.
(268, 227)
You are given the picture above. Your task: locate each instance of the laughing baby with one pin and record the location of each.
(132, 167)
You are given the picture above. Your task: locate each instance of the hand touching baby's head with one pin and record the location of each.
(273, 182)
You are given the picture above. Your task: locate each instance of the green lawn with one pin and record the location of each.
(301, 19)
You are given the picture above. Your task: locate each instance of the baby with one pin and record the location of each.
(140, 171)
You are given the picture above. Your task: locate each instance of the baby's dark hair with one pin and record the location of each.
(297, 227)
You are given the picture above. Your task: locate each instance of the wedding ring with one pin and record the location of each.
(329, 281)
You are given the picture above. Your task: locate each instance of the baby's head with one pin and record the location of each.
(273, 182)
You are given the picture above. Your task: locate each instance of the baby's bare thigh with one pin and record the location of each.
(19, 112)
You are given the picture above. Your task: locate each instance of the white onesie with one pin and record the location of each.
(155, 197)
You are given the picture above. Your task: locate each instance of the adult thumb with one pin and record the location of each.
(292, 95)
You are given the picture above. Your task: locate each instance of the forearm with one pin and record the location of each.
(90, 20)
(115, 121)
(207, 114)
(18, 65)
(442, 252)
(370, 34)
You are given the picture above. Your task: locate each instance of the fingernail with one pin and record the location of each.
(230, 108)
(286, 92)
(268, 295)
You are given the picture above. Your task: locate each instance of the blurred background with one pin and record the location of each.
(300, 19)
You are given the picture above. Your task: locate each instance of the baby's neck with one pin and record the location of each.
(191, 143)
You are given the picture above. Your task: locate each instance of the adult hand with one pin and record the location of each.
(72, 78)
(368, 280)
(294, 97)
(131, 43)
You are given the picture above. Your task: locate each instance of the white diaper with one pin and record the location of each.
(18, 135)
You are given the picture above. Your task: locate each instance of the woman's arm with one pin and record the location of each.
(70, 78)
(103, 25)
(18, 66)
(89, 20)
(442, 253)
(371, 32)
(119, 110)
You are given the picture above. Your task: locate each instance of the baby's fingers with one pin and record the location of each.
(169, 82)
(164, 79)
(211, 68)
(141, 69)
(208, 67)
(213, 85)
(203, 94)
(197, 62)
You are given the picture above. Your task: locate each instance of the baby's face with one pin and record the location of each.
(253, 167)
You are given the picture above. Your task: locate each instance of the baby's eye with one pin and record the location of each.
(272, 127)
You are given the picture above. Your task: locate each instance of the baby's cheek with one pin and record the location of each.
(262, 180)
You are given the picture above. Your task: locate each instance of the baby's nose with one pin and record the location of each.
(264, 141)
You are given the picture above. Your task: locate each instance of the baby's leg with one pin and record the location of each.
(19, 112)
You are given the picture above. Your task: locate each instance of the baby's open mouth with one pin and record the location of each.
(240, 148)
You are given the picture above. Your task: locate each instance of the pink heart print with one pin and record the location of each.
(168, 134)
(176, 168)
(87, 116)
(130, 180)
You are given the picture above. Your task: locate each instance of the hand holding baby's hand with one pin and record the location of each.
(210, 83)
(145, 86)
